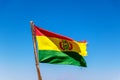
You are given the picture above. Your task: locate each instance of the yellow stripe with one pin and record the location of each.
(50, 43)
(83, 48)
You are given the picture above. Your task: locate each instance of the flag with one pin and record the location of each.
(58, 49)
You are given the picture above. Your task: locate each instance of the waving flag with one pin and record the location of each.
(57, 49)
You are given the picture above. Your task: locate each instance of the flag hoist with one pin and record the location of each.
(54, 48)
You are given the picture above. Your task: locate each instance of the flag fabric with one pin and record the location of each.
(58, 49)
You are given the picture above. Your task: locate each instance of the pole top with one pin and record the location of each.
(31, 22)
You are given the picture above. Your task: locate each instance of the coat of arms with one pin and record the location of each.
(65, 45)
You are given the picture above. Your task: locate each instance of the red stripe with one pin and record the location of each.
(42, 32)
(83, 41)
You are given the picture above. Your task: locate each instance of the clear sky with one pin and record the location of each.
(97, 21)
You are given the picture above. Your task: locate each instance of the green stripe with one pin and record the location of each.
(57, 57)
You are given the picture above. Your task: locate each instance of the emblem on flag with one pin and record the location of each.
(65, 45)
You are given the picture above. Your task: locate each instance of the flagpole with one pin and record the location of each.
(35, 50)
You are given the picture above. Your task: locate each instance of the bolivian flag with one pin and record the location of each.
(57, 49)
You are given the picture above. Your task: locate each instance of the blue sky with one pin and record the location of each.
(97, 21)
